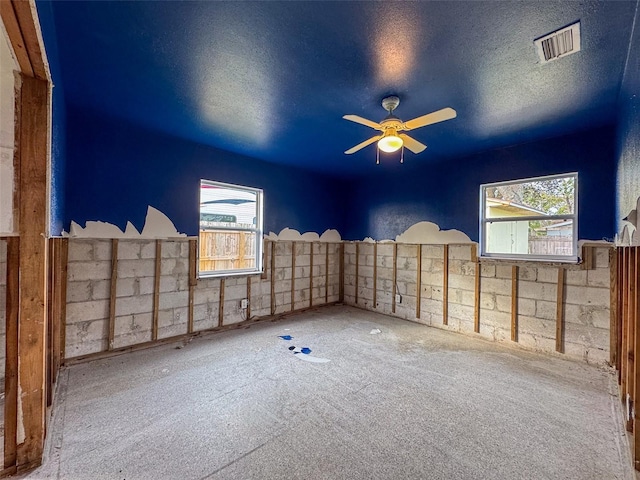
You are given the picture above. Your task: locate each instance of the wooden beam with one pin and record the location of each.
(27, 19)
(635, 320)
(263, 275)
(375, 275)
(419, 281)
(10, 21)
(394, 278)
(193, 279)
(248, 297)
(326, 273)
(613, 310)
(113, 293)
(64, 261)
(587, 257)
(625, 330)
(272, 276)
(311, 277)
(11, 352)
(293, 275)
(560, 311)
(514, 303)
(34, 128)
(50, 306)
(445, 285)
(156, 289)
(341, 277)
(357, 269)
(476, 306)
(631, 369)
(221, 304)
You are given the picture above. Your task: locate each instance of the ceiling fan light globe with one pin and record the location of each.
(390, 143)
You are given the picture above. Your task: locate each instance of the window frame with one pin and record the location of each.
(258, 230)
(529, 257)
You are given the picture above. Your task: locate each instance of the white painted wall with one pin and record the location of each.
(7, 67)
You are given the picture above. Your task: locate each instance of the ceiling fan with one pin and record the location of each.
(391, 140)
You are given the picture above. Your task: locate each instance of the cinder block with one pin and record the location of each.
(576, 277)
(546, 310)
(147, 249)
(529, 273)
(536, 326)
(462, 281)
(495, 318)
(601, 257)
(592, 316)
(83, 311)
(600, 277)
(78, 271)
(129, 250)
(76, 292)
(487, 300)
(587, 336)
(173, 300)
(548, 274)
(133, 305)
(135, 268)
(536, 290)
(526, 307)
(172, 249)
(503, 303)
(487, 270)
(79, 250)
(433, 251)
(578, 295)
(460, 252)
(100, 289)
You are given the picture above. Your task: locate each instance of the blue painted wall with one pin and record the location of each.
(59, 120)
(628, 142)
(385, 204)
(114, 170)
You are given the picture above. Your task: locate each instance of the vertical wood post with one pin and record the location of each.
(357, 269)
(625, 330)
(11, 354)
(476, 308)
(631, 368)
(156, 289)
(272, 276)
(221, 304)
(112, 293)
(394, 278)
(249, 297)
(293, 275)
(34, 127)
(419, 281)
(445, 285)
(560, 312)
(341, 279)
(193, 279)
(311, 277)
(613, 311)
(64, 260)
(514, 303)
(326, 273)
(375, 275)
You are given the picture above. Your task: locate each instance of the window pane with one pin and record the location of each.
(555, 196)
(546, 237)
(227, 250)
(226, 207)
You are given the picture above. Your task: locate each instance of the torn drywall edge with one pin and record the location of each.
(156, 225)
(290, 234)
(429, 232)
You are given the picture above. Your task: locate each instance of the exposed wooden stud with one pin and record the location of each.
(357, 269)
(514, 303)
(419, 281)
(64, 260)
(221, 304)
(375, 275)
(156, 289)
(193, 280)
(293, 275)
(34, 128)
(263, 274)
(272, 277)
(17, 152)
(11, 353)
(624, 302)
(635, 319)
(394, 278)
(311, 277)
(248, 297)
(28, 21)
(112, 293)
(445, 285)
(476, 306)
(560, 311)
(631, 322)
(10, 21)
(474, 253)
(51, 319)
(587, 257)
(326, 273)
(613, 310)
(341, 277)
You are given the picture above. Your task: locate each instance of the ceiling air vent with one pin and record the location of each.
(558, 44)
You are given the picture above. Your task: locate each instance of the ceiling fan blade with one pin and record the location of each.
(363, 121)
(412, 144)
(363, 144)
(430, 118)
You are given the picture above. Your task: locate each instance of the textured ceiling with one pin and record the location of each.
(272, 79)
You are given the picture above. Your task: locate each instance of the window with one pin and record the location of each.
(230, 229)
(530, 219)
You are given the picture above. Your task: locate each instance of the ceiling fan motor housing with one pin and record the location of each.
(390, 103)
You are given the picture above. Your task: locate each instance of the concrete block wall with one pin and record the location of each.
(585, 305)
(89, 290)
